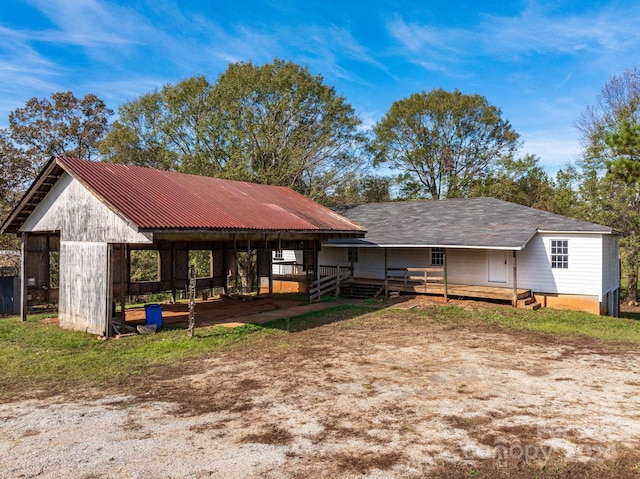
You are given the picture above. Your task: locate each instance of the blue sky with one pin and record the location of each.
(540, 62)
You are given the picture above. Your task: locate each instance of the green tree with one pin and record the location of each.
(61, 125)
(442, 141)
(274, 124)
(518, 180)
(625, 149)
(609, 178)
(168, 129)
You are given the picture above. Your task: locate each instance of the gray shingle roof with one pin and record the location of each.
(465, 222)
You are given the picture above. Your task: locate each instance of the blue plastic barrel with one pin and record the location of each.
(153, 314)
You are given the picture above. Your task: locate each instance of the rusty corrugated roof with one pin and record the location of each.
(159, 200)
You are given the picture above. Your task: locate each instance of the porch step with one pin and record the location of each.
(529, 303)
(360, 291)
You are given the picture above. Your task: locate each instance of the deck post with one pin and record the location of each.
(23, 290)
(386, 273)
(515, 280)
(444, 274)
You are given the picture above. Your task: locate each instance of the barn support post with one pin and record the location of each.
(386, 272)
(225, 269)
(110, 303)
(47, 270)
(24, 306)
(124, 278)
(515, 280)
(270, 271)
(174, 289)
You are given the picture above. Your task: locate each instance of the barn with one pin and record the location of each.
(481, 248)
(87, 220)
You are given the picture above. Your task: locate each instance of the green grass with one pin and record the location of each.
(39, 356)
(545, 320)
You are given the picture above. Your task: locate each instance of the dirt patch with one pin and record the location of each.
(389, 394)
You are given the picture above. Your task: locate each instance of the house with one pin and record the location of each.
(94, 218)
(482, 247)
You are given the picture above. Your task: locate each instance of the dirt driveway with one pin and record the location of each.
(382, 395)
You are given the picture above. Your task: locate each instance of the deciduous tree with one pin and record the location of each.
(275, 124)
(443, 141)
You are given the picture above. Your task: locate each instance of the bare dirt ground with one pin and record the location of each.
(377, 396)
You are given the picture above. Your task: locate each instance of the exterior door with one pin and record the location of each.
(6, 294)
(498, 266)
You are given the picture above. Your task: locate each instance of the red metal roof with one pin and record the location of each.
(156, 200)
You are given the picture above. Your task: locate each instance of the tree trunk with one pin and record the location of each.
(632, 289)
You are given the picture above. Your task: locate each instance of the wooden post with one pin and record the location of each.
(386, 273)
(192, 299)
(109, 305)
(249, 271)
(270, 271)
(124, 269)
(225, 268)
(515, 280)
(24, 293)
(444, 274)
(174, 289)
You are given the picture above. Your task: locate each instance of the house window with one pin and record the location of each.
(437, 256)
(560, 254)
(352, 255)
(278, 255)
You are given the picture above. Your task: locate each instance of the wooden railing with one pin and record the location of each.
(288, 269)
(330, 270)
(328, 284)
(419, 277)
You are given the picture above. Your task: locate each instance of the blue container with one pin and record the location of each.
(153, 314)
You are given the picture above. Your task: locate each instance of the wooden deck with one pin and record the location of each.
(461, 290)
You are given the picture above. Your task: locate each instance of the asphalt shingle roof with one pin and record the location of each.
(465, 222)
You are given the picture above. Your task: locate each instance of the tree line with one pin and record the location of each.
(279, 124)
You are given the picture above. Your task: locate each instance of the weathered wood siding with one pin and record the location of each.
(79, 216)
(83, 298)
(582, 277)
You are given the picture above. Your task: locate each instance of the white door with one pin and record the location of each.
(498, 266)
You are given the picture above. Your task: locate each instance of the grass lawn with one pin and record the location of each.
(39, 360)
(37, 357)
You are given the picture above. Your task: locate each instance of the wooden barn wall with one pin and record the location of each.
(79, 216)
(83, 299)
(39, 248)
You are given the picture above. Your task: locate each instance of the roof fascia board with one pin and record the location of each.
(374, 245)
(46, 171)
(569, 232)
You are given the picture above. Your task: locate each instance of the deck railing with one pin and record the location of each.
(288, 269)
(419, 278)
(328, 284)
(330, 270)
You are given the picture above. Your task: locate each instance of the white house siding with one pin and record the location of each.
(582, 277)
(83, 286)
(471, 266)
(79, 216)
(610, 264)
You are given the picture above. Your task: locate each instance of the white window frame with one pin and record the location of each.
(278, 255)
(437, 257)
(559, 249)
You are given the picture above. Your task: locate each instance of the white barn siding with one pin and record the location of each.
(83, 286)
(582, 277)
(79, 216)
(332, 256)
